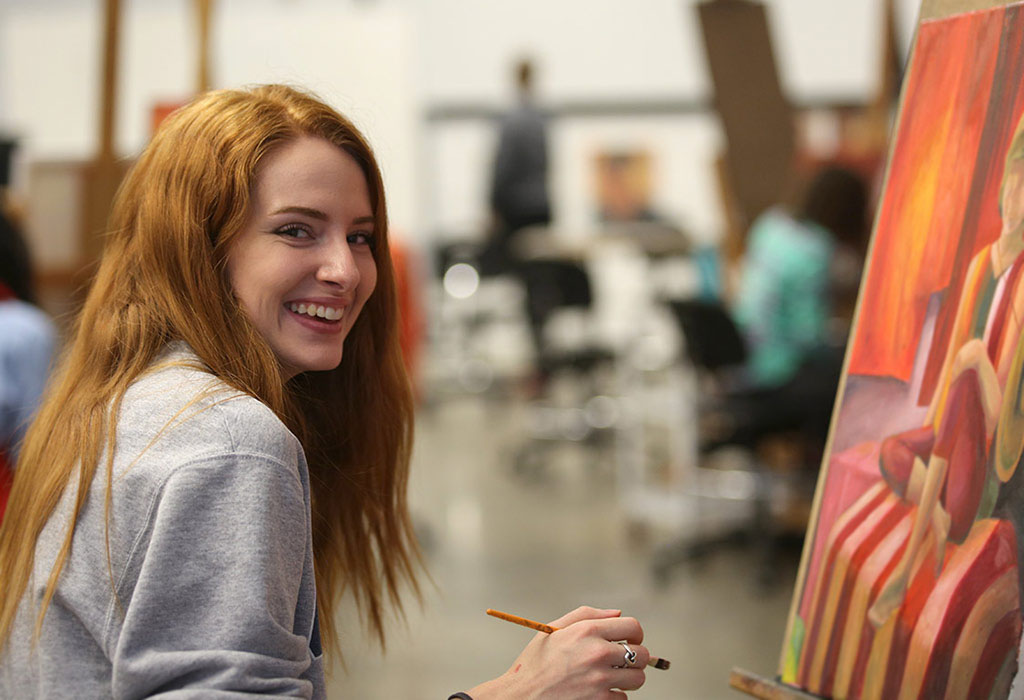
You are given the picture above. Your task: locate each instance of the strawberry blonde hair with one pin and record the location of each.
(162, 279)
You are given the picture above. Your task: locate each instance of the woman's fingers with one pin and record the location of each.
(628, 678)
(620, 629)
(628, 655)
(584, 612)
(612, 629)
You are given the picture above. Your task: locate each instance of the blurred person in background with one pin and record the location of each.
(520, 199)
(27, 339)
(226, 450)
(785, 298)
(519, 194)
(801, 267)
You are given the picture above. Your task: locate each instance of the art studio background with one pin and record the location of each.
(579, 437)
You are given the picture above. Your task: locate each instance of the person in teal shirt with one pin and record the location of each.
(785, 296)
(782, 307)
(796, 275)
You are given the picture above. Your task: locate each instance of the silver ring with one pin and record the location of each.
(629, 656)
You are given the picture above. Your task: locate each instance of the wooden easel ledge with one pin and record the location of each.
(765, 688)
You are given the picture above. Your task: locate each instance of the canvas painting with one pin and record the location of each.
(911, 583)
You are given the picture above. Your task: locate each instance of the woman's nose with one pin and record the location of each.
(338, 265)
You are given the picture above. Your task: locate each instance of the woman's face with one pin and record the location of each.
(1013, 197)
(302, 266)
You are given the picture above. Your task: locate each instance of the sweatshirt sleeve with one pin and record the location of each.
(212, 612)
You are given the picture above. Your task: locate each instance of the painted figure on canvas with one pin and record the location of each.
(911, 585)
(942, 466)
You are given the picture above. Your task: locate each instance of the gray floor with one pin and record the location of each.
(537, 547)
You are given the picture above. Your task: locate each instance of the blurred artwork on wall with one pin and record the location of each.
(910, 585)
(623, 185)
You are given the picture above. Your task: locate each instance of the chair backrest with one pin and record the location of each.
(712, 339)
(448, 254)
(554, 284)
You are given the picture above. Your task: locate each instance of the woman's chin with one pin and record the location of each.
(302, 365)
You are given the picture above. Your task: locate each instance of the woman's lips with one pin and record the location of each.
(320, 324)
(313, 310)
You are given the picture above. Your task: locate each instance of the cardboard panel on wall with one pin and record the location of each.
(756, 117)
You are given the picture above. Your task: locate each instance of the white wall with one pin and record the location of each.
(385, 62)
(359, 59)
(607, 50)
(49, 64)
(585, 48)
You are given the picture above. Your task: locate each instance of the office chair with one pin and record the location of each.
(470, 306)
(553, 286)
(716, 349)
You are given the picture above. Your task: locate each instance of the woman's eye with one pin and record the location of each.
(362, 238)
(293, 231)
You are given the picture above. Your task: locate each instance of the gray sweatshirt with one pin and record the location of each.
(210, 591)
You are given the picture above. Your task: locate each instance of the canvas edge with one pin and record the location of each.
(940, 9)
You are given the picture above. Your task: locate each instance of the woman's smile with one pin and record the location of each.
(317, 311)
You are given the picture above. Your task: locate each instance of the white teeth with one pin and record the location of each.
(317, 311)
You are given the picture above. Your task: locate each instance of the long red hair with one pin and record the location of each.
(162, 279)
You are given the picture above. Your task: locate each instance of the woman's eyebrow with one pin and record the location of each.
(305, 211)
(319, 215)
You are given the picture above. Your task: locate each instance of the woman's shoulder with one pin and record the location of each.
(179, 410)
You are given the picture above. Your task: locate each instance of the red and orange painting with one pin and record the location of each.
(911, 583)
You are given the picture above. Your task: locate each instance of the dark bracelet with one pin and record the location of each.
(459, 696)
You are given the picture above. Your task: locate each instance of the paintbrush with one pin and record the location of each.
(548, 629)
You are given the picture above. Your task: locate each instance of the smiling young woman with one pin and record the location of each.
(225, 451)
(163, 312)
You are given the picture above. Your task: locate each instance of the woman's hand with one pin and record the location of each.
(583, 659)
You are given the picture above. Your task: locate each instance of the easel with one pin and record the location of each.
(765, 688)
(204, 9)
(102, 176)
(754, 170)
